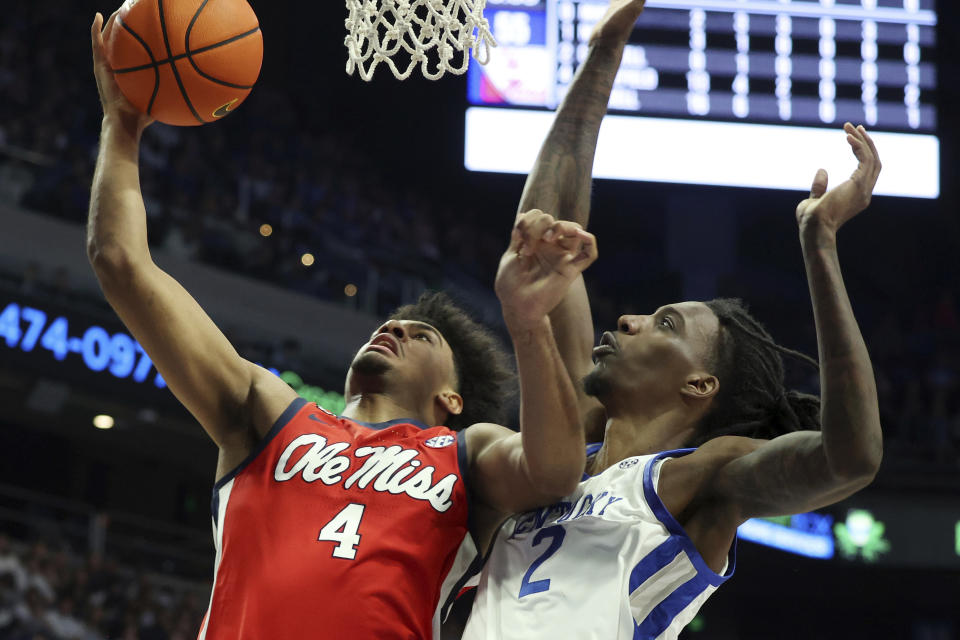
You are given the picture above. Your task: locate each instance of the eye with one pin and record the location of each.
(422, 336)
(666, 322)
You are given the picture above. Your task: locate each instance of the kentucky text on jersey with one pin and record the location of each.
(609, 562)
(563, 511)
(384, 466)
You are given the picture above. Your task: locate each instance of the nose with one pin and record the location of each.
(394, 327)
(630, 325)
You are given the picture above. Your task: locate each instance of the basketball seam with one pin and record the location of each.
(173, 64)
(181, 56)
(156, 68)
(186, 48)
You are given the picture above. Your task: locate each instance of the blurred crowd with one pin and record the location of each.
(267, 197)
(917, 361)
(50, 593)
(278, 192)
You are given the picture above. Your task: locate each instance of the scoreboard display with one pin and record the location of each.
(761, 87)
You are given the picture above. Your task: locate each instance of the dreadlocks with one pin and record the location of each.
(752, 400)
(485, 377)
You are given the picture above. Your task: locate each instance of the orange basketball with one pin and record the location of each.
(185, 62)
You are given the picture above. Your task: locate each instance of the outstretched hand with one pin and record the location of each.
(111, 98)
(617, 23)
(824, 212)
(544, 257)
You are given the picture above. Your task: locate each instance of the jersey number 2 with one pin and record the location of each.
(556, 535)
(343, 528)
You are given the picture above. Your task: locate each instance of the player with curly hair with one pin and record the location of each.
(359, 525)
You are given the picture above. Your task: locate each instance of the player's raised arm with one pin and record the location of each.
(545, 460)
(805, 470)
(560, 179)
(227, 394)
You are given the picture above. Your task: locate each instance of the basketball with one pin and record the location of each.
(185, 62)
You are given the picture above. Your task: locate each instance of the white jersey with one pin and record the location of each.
(607, 563)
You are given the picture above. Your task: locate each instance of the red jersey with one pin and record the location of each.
(334, 528)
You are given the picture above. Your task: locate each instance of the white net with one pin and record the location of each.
(437, 35)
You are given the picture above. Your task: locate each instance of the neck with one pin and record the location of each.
(629, 435)
(379, 407)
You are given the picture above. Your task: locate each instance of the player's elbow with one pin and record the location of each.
(103, 256)
(860, 467)
(110, 262)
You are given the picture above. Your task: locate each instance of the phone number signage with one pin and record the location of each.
(34, 330)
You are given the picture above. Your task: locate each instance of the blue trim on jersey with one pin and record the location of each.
(463, 463)
(663, 614)
(654, 561)
(215, 507)
(389, 423)
(676, 530)
(281, 422)
(592, 449)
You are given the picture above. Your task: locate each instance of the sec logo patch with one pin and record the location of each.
(626, 464)
(439, 442)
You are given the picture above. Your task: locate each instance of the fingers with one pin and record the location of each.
(819, 186)
(96, 36)
(113, 18)
(536, 232)
(97, 29)
(578, 250)
(588, 250)
(862, 144)
(870, 144)
(530, 230)
(565, 234)
(855, 138)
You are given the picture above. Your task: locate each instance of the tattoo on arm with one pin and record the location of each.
(560, 181)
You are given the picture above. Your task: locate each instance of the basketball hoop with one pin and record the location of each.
(379, 29)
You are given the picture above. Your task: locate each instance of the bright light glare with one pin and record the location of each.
(800, 542)
(103, 421)
(306, 259)
(702, 152)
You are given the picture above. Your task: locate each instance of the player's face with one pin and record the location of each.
(411, 356)
(653, 357)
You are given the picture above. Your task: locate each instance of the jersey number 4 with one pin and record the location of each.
(342, 529)
(556, 535)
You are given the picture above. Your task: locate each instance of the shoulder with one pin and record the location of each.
(268, 400)
(725, 448)
(685, 481)
(480, 436)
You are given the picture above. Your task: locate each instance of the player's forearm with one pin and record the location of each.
(553, 440)
(560, 179)
(850, 417)
(117, 223)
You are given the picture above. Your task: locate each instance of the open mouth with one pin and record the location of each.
(385, 343)
(608, 345)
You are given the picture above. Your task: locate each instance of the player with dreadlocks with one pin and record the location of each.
(650, 532)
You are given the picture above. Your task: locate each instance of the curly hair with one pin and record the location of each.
(484, 369)
(752, 400)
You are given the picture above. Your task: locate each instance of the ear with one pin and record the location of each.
(701, 386)
(450, 401)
